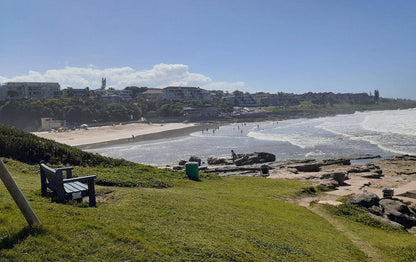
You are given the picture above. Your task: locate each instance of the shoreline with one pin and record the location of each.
(102, 136)
(148, 137)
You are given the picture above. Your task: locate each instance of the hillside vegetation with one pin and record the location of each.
(31, 149)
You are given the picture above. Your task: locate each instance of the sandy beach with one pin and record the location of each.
(104, 135)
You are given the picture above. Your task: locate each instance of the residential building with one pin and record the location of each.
(81, 93)
(265, 99)
(241, 100)
(153, 94)
(200, 112)
(185, 93)
(29, 90)
(113, 96)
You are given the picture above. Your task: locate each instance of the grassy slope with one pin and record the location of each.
(223, 219)
(391, 244)
(240, 218)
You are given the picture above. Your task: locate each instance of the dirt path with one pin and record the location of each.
(372, 253)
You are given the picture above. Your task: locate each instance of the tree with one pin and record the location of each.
(238, 93)
(136, 90)
(376, 96)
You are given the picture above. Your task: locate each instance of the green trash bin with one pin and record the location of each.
(192, 170)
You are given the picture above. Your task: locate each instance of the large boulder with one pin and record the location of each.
(397, 211)
(254, 158)
(315, 167)
(195, 159)
(265, 157)
(218, 161)
(365, 200)
(339, 177)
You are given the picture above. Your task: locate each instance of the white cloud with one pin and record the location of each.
(159, 76)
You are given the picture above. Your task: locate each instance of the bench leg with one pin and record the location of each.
(60, 198)
(91, 193)
(43, 185)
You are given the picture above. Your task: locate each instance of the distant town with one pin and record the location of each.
(15, 91)
(36, 105)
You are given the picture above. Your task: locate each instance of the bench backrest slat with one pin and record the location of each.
(54, 177)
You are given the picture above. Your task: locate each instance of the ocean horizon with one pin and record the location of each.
(383, 133)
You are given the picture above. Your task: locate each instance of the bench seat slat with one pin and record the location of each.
(69, 188)
(75, 187)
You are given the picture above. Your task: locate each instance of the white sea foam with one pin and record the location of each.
(402, 122)
(302, 139)
(382, 132)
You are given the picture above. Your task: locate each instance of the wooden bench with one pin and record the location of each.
(66, 188)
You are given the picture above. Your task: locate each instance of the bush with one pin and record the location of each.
(30, 149)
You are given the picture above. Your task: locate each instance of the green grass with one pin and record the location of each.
(392, 243)
(221, 219)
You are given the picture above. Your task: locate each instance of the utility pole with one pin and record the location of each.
(17, 195)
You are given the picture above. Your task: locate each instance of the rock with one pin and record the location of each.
(376, 210)
(331, 184)
(395, 205)
(412, 230)
(330, 202)
(388, 221)
(180, 167)
(397, 211)
(367, 184)
(340, 161)
(195, 159)
(217, 161)
(265, 157)
(365, 200)
(255, 158)
(372, 175)
(182, 162)
(308, 167)
(358, 169)
(339, 177)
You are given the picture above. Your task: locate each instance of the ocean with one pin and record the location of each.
(382, 133)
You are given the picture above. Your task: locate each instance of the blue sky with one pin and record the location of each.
(273, 46)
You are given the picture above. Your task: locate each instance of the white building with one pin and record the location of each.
(29, 90)
(48, 123)
(114, 96)
(185, 93)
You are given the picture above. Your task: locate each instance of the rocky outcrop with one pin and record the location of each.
(395, 210)
(254, 158)
(365, 200)
(339, 177)
(399, 212)
(315, 166)
(195, 159)
(219, 161)
(330, 184)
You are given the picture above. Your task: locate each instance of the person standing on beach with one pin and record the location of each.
(132, 138)
(233, 155)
